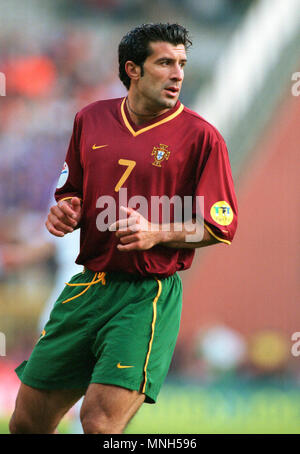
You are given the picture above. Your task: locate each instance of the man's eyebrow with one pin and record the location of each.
(169, 59)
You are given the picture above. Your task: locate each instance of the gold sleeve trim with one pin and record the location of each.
(68, 198)
(215, 236)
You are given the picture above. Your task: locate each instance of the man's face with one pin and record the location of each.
(163, 75)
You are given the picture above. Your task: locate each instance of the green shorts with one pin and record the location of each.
(110, 328)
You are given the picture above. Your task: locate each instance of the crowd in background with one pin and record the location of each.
(44, 91)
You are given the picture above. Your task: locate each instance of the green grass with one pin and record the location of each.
(63, 427)
(240, 408)
(227, 410)
(3, 426)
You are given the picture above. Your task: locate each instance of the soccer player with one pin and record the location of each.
(113, 329)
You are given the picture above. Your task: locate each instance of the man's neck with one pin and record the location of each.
(140, 113)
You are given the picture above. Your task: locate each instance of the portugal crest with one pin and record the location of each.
(160, 154)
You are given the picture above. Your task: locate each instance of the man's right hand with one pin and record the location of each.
(64, 217)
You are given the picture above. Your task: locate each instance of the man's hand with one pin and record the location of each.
(64, 217)
(135, 232)
(138, 234)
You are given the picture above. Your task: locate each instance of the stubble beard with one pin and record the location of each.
(167, 103)
(170, 103)
(159, 102)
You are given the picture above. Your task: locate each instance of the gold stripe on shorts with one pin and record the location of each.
(152, 332)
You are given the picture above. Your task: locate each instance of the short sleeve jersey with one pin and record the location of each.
(112, 162)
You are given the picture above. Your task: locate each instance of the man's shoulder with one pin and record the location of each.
(199, 123)
(100, 107)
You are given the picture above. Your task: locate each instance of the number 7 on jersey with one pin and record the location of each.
(130, 165)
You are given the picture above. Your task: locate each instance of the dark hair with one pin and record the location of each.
(134, 45)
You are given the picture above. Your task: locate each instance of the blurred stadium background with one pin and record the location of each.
(235, 368)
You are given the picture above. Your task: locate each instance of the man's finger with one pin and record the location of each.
(124, 223)
(76, 204)
(114, 226)
(120, 224)
(132, 229)
(129, 247)
(67, 209)
(59, 225)
(58, 213)
(52, 230)
(131, 238)
(127, 210)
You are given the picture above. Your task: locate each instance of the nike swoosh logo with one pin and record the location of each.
(123, 367)
(100, 146)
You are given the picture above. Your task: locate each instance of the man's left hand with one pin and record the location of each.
(135, 232)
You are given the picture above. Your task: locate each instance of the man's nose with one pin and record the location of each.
(177, 73)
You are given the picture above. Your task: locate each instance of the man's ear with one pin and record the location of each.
(133, 70)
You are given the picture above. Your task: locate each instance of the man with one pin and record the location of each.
(112, 331)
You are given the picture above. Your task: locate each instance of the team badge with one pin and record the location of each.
(221, 213)
(160, 154)
(63, 176)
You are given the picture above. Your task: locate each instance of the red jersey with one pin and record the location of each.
(175, 154)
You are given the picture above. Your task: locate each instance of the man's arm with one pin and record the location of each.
(180, 237)
(65, 216)
(136, 233)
